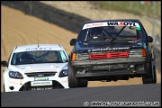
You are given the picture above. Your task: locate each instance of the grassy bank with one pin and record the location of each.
(152, 10)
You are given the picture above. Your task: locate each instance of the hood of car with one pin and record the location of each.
(46, 67)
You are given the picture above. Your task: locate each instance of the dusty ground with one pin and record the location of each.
(18, 28)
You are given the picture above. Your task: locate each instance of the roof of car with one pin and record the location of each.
(34, 47)
(113, 20)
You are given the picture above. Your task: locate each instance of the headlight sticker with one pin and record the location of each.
(13, 82)
(64, 81)
(20, 82)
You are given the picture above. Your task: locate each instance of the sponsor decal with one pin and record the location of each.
(13, 82)
(112, 23)
(20, 82)
(137, 26)
(112, 48)
(91, 25)
(64, 81)
(41, 78)
(121, 23)
(38, 48)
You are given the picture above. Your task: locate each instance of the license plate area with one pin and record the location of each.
(110, 67)
(41, 83)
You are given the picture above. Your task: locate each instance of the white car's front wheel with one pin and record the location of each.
(73, 81)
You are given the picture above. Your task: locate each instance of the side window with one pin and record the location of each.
(63, 56)
(83, 35)
(15, 58)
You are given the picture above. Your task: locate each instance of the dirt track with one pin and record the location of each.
(19, 28)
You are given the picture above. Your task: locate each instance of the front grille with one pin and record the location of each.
(109, 55)
(40, 74)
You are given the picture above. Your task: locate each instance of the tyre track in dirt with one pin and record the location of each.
(19, 28)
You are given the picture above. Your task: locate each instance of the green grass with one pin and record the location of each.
(134, 7)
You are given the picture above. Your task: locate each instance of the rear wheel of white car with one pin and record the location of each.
(73, 81)
(150, 78)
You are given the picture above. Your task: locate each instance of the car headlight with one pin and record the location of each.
(63, 73)
(16, 75)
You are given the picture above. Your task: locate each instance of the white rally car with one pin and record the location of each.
(36, 67)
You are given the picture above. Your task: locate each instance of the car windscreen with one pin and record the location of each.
(112, 33)
(34, 57)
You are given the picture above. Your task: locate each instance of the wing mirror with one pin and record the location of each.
(149, 39)
(72, 42)
(4, 63)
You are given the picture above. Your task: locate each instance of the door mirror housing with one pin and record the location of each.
(149, 39)
(72, 42)
(4, 63)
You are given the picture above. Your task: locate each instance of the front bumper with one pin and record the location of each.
(13, 85)
(109, 67)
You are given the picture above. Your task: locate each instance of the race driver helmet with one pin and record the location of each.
(96, 32)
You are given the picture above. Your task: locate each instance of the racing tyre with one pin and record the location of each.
(73, 81)
(150, 78)
(83, 83)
